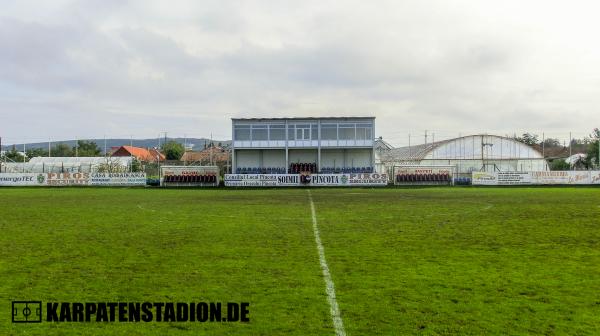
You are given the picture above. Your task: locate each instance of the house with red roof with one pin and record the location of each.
(142, 154)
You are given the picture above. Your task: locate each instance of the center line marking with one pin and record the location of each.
(338, 324)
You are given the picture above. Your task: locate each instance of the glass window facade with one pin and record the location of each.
(364, 132)
(260, 132)
(329, 131)
(242, 132)
(304, 131)
(347, 131)
(277, 132)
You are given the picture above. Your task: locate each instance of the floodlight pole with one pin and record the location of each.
(543, 145)
(409, 150)
(210, 150)
(570, 149)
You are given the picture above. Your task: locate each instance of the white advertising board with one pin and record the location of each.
(22, 179)
(118, 179)
(296, 180)
(73, 179)
(536, 177)
(262, 180)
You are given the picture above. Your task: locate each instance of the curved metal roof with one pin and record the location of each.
(420, 152)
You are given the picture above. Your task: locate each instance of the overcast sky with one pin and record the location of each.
(77, 69)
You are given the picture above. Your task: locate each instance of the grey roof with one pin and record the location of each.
(410, 153)
(418, 152)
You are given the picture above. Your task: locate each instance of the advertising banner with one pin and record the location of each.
(73, 179)
(514, 178)
(68, 179)
(561, 177)
(118, 179)
(190, 176)
(423, 175)
(297, 180)
(570, 177)
(22, 179)
(595, 177)
(484, 178)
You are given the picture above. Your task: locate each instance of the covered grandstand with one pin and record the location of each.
(467, 154)
(69, 165)
(333, 145)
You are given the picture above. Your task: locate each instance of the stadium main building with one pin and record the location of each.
(293, 145)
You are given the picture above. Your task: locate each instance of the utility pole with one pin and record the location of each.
(426, 137)
(1, 156)
(184, 149)
(76, 148)
(130, 155)
(409, 149)
(24, 156)
(210, 150)
(543, 145)
(105, 152)
(432, 142)
(570, 149)
(49, 149)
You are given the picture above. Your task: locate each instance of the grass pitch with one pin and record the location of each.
(433, 261)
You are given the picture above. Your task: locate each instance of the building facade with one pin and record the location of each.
(292, 145)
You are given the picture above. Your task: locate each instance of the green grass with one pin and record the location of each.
(432, 261)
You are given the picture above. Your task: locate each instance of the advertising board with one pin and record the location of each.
(22, 179)
(297, 180)
(189, 176)
(569, 177)
(423, 175)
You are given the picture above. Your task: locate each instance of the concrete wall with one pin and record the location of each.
(338, 158)
(302, 155)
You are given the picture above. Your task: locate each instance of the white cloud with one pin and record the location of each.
(141, 67)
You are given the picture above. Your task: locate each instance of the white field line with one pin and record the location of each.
(338, 324)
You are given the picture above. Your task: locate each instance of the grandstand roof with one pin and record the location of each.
(420, 152)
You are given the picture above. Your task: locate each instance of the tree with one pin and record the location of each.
(136, 165)
(559, 164)
(592, 152)
(173, 150)
(62, 150)
(111, 165)
(13, 155)
(87, 148)
(551, 142)
(528, 139)
(33, 152)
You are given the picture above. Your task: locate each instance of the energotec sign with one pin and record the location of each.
(72, 179)
(297, 180)
(22, 179)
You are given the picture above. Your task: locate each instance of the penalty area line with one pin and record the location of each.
(338, 324)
